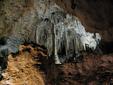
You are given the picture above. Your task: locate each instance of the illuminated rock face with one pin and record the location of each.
(64, 35)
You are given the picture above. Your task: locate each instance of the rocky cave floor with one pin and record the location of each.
(32, 67)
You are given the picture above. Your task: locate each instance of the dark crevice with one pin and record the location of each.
(106, 47)
(73, 4)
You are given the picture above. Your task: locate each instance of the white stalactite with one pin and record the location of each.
(70, 36)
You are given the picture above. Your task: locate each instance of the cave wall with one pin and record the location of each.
(95, 15)
(44, 23)
(62, 31)
(21, 21)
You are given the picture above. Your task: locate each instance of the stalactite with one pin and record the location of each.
(64, 35)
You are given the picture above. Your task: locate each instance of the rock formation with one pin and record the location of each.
(95, 15)
(45, 23)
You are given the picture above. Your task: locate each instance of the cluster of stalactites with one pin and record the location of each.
(64, 35)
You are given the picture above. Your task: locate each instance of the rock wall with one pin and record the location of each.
(44, 23)
(95, 15)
